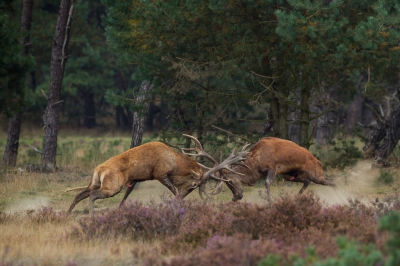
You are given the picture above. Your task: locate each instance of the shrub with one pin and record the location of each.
(345, 153)
(385, 177)
(134, 220)
(240, 233)
(391, 224)
(47, 215)
(351, 252)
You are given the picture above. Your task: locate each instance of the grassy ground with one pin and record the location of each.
(25, 241)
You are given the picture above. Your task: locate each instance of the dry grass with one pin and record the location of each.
(25, 242)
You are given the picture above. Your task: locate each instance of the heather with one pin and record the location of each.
(193, 232)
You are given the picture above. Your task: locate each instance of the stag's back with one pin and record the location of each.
(148, 159)
(283, 156)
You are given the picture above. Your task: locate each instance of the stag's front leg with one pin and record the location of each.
(302, 178)
(268, 182)
(167, 182)
(127, 192)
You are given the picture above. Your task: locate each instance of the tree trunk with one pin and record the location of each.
(138, 117)
(14, 126)
(121, 119)
(268, 125)
(200, 121)
(294, 120)
(305, 117)
(89, 120)
(392, 135)
(11, 152)
(58, 59)
(354, 113)
(272, 123)
(185, 123)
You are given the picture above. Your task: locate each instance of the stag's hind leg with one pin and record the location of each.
(81, 196)
(324, 182)
(108, 189)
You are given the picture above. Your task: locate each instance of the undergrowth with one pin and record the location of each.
(199, 233)
(291, 230)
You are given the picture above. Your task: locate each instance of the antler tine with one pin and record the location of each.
(233, 171)
(217, 189)
(202, 189)
(204, 167)
(213, 176)
(231, 160)
(245, 147)
(244, 165)
(199, 149)
(198, 144)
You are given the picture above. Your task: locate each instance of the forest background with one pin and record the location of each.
(305, 71)
(321, 73)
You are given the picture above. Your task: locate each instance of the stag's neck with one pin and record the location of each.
(250, 176)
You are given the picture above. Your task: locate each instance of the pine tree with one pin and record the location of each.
(26, 63)
(13, 64)
(216, 60)
(58, 60)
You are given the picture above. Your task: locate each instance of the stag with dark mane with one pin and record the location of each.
(268, 158)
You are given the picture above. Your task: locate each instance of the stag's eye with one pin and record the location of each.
(194, 185)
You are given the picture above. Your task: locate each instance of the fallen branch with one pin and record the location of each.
(36, 150)
(232, 134)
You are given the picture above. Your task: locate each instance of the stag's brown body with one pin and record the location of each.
(271, 156)
(150, 161)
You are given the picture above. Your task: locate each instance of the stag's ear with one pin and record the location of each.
(195, 174)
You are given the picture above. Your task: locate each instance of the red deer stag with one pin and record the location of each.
(150, 161)
(269, 157)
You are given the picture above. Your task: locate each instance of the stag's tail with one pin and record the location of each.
(75, 188)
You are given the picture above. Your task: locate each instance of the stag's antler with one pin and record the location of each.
(233, 159)
(200, 151)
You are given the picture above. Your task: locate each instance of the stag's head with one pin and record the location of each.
(218, 170)
(235, 184)
(186, 184)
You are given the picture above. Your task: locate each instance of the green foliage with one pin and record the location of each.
(344, 153)
(217, 61)
(90, 69)
(350, 253)
(391, 224)
(385, 177)
(270, 260)
(13, 66)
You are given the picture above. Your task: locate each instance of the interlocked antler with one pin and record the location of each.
(233, 159)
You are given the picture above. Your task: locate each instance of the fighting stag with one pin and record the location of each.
(151, 161)
(274, 156)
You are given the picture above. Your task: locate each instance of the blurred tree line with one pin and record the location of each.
(292, 65)
(298, 70)
(90, 69)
